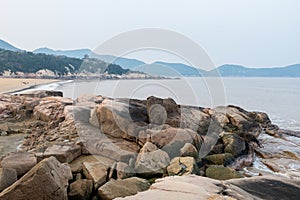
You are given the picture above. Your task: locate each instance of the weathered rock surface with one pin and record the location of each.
(151, 161)
(122, 188)
(220, 159)
(80, 189)
(64, 154)
(183, 166)
(189, 150)
(96, 171)
(47, 180)
(196, 187)
(234, 144)
(222, 173)
(7, 177)
(21, 162)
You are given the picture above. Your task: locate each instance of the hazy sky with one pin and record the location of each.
(255, 33)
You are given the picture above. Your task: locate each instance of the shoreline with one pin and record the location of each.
(13, 85)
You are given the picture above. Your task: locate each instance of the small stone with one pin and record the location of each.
(183, 166)
(189, 150)
(80, 189)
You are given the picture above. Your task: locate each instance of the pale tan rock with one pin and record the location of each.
(47, 180)
(182, 166)
(96, 171)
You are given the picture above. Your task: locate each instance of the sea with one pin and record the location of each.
(278, 97)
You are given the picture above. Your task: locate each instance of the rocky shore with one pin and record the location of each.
(96, 147)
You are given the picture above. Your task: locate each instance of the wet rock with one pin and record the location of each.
(122, 188)
(96, 171)
(220, 159)
(234, 144)
(182, 166)
(7, 177)
(64, 154)
(80, 189)
(151, 161)
(189, 150)
(21, 162)
(221, 173)
(47, 180)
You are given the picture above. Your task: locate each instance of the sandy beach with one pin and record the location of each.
(14, 84)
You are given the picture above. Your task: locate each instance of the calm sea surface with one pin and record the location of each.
(279, 97)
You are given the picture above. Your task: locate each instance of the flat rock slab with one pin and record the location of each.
(47, 180)
(96, 171)
(21, 162)
(63, 154)
(123, 188)
(193, 187)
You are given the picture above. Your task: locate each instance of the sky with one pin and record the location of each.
(253, 33)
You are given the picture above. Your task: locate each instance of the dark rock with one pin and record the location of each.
(220, 159)
(7, 177)
(80, 189)
(233, 143)
(221, 173)
(122, 188)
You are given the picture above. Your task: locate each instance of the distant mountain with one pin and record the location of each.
(6, 46)
(182, 69)
(78, 53)
(241, 71)
(126, 63)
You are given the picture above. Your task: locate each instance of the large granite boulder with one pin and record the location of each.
(21, 162)
(151, 161)
(233, 143)
(47, 180)
(122, 188)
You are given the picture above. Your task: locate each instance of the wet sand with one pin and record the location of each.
(15, 84)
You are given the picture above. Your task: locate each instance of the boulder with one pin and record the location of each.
(47, 180)
(77, 164)
(221, 173)
(123, 170)
(122, 188)
(233, 143)
(96, 171)
(189, 150)
(80, 189)
(182, 166)
(220, 159)
(64, 154)
(121, 118)
(151, 161)
(171, 140)
(7, 177)
(21, 162)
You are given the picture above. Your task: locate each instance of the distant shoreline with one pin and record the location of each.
(12, 85)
